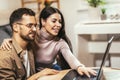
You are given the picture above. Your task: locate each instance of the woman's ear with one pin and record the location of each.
(43, 22)
(38, 27)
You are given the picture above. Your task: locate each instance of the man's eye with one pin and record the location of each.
(30, 25)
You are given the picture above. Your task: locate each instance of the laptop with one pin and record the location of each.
(73, 75)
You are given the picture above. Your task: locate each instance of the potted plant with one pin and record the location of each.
(95, 3)
(95, 9)
(103, 15)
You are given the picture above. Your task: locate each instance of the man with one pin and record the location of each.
(18, 62)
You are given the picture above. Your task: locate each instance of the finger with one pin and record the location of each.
(93, 72)
(80, 71)
(84, 71)
(8, 44)
(2, 46)
(87, 73)
(50, 71)
(5, 46)
(54, 71)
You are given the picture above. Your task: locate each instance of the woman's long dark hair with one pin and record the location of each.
(45, 13)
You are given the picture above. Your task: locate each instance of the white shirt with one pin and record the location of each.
(26, 63)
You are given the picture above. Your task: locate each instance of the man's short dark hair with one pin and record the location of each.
(18, 13)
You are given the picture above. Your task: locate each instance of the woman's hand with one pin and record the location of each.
(6, 44)
(86, 71)
(44, 72)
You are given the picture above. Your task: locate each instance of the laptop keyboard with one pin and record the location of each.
(84, 77)
(73, 75)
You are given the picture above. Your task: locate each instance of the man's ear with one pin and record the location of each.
(16, 27)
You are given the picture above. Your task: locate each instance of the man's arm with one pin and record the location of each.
(44, 72)
(6, 67)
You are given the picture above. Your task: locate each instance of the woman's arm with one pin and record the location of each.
(6, 44)
(73, 61)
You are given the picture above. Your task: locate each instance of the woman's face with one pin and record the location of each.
(52, 24)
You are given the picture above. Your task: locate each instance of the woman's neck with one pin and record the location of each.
(44, 36)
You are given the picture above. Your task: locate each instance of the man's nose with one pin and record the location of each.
(34, 28)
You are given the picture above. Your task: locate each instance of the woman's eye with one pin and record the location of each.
(60, 21)
(53, 21)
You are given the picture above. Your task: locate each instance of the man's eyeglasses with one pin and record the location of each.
(30, 25)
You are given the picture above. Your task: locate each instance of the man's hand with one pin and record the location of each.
(48, 71)
(44, 72)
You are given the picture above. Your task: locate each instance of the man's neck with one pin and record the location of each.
(23, 44)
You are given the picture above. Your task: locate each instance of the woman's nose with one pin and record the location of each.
(58, 24)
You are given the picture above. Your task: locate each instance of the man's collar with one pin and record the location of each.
(17, 46)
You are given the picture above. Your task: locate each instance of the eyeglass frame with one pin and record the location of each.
(30, 25)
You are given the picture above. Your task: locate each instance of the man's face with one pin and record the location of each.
(27, 30)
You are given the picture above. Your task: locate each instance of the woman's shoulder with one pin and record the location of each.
(62, 42)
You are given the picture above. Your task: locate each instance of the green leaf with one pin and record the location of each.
(96, 3)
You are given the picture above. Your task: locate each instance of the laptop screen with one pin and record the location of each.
(105, 56)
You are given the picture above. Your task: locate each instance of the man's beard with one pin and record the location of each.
(27, 38)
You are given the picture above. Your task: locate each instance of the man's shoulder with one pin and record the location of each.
(5, 53)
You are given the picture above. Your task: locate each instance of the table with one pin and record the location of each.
(111, 74)
(108, 74)
(58, 76)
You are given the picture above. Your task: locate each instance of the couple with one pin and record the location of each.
(46, 41)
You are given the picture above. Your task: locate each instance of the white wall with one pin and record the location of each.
(6, 7)
(70, 9)
(9, 4)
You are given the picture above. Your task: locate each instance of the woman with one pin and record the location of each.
(51, 40)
